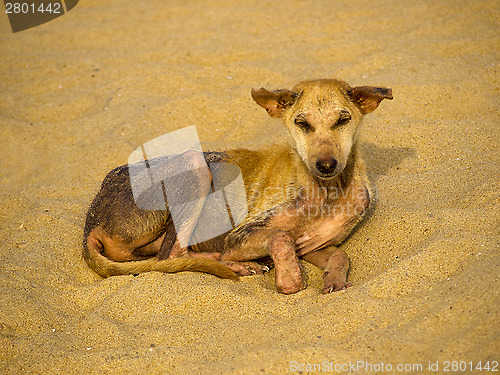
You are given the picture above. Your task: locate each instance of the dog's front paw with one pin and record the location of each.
(334, 283)
(290, 286)
(335, 287)
(289, 278)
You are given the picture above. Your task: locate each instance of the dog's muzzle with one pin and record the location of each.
(326, 166)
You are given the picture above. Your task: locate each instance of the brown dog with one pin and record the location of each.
(302, 200)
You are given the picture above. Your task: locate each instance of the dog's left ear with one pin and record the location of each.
(368, 98)
(274, 102)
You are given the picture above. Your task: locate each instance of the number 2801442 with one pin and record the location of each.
(32, 8)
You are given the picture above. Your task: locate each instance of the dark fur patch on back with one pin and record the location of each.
(215, 157)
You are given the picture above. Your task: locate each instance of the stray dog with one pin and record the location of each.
(303, 200)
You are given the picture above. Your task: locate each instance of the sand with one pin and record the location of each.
(80, 93)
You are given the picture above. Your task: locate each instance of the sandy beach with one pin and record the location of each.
(78, 94)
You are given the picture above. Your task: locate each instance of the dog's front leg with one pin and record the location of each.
(276, 243)
(335, 263)
(334, 229)
(317, 245)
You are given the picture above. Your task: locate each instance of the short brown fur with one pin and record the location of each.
(303, 199)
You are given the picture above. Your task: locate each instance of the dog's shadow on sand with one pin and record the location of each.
(380, 161)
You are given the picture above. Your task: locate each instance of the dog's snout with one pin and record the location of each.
(326, 166)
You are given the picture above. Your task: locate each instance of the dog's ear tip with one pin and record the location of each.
(255, 91)
(384, 92)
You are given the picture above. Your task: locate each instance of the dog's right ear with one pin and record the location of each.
(274, 102)
(368, 98)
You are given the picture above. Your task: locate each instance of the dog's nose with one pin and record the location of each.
(326, 166)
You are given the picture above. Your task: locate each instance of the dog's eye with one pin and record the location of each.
(303, 124)
(344, 118)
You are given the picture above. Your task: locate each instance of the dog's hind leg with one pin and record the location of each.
(186, 193)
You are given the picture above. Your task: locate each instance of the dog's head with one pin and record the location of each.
(322, 117)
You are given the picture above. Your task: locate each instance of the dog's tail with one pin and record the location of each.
(106, 267)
